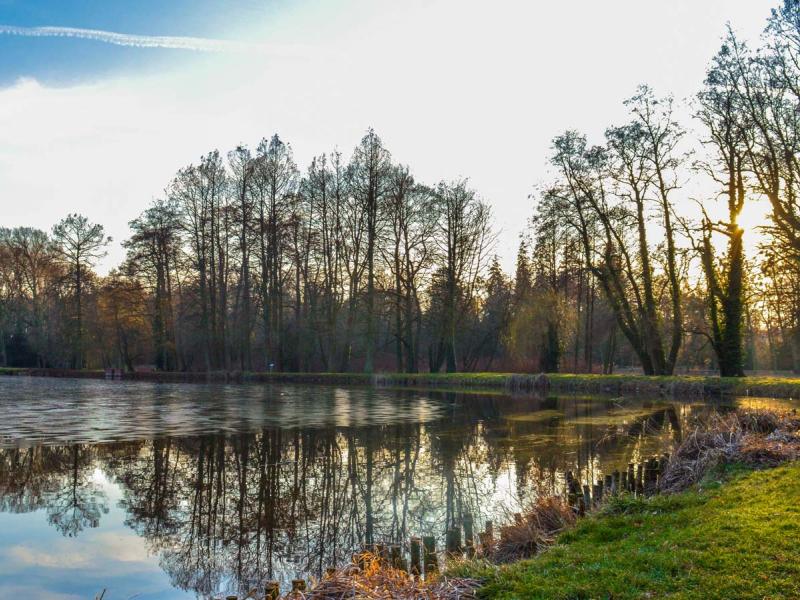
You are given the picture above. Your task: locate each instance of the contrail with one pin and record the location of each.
(138, 41)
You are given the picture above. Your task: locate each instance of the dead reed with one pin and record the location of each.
(755, 437)
(530, 532)
(373, 579)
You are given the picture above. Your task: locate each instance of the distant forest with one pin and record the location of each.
(247, 264)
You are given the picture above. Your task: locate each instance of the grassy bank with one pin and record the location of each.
(678, 386)
(731, 539)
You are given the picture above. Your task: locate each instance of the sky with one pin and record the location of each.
(102, 101)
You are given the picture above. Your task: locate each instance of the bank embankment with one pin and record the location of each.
(733, 537)
(679, 386)
(724, 523)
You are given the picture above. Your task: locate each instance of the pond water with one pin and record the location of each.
(183, 491)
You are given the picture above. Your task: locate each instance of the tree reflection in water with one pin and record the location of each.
(232, 510)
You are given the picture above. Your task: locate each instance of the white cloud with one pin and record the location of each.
(454, 88)
(141, 41)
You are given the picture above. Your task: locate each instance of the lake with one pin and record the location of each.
(190, 490)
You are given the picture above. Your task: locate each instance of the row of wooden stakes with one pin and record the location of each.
(638, 479)
(422, 559)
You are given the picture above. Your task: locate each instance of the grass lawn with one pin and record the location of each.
(737, 539)
(674, 386)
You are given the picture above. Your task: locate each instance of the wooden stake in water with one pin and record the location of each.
(431, 561)
(487, 536)
(416, 568)
(272, 590)
(395, 556)
(639, 479)
(453, 541)
(469, 533)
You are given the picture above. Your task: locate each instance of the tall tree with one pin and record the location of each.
(606, 193)
(369, 170)
(465, 240)
(725, 124)
(80, 244)
(152, 248)
(274, 185)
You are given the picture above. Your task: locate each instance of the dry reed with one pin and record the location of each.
(531, 531)
(755, 437)
(375, 580)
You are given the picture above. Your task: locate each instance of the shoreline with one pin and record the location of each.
(706, 542)
(694, 386)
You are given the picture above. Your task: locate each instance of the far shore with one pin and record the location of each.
(697, 386)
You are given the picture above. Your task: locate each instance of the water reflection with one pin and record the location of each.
(229, 487)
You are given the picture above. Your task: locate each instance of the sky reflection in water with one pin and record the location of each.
(175, 491)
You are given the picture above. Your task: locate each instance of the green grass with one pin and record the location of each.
(678, 386)
(738, 539)
(11, 371)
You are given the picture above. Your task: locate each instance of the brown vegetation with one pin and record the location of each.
(532, 531)
(378, 581)
(754, 437)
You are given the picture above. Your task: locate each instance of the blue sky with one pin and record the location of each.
(65, 61)
(454, 87)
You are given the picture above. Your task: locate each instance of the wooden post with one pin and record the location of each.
(469, 530)
(587, 496)
(595, 494)
(609, 484)
(416, 567)
(396, 557)
(231, 597)
(662, 466)
(431, 561)
(469, 535)
(646, 476)
(616, 482)
(624, 482)
(599, 495)
(272, 590)
(453, 545)
(298, 585)
(572, 499)
(380, 552)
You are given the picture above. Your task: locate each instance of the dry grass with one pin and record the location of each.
(374, 580)
(755, 437)
(531, 531)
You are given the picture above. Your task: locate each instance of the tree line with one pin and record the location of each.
(248, 264)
